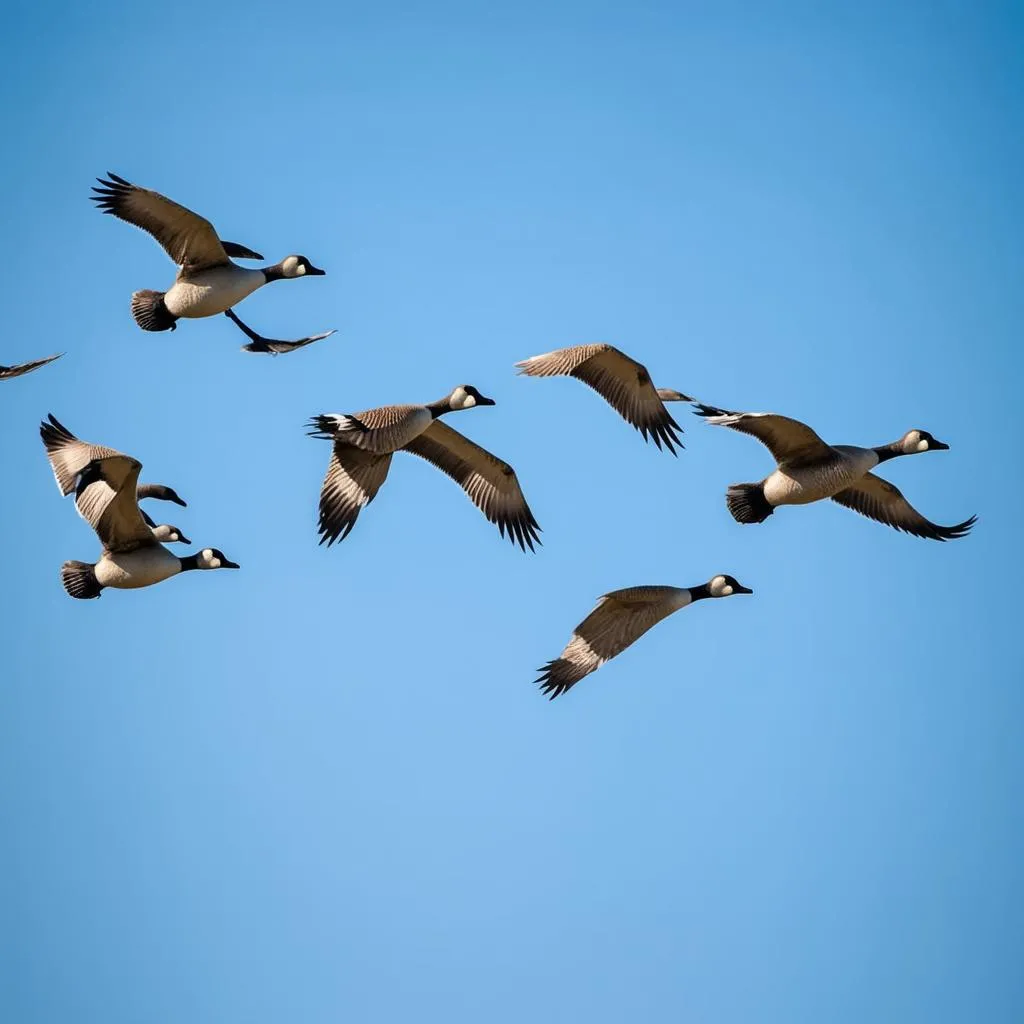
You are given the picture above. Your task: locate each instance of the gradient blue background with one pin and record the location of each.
(323, 788)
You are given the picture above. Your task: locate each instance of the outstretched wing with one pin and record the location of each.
(491, 484)
(882, 501)
(621, 381)
(787, 439)
(106, 499)
(190, 240)
(8, 372)
(618, 621)
(353, 479)
(67, 454)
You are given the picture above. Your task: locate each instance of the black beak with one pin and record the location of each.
(315, 271)
(939, 446)
(229, 565)
(183, 539)
(485, 401)
(740, 589)
(177, 500)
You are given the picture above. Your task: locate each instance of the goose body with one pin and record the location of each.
(808, 470)
(208, 281)
(621, 381)
(212, 291)
(618, 621)
(365, 442)
(107, 492)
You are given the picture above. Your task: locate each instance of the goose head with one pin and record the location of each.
(214, 558)
(465, 396)
(914, 441)
(167, 534)
(726, 586)
(669, 395)
(299, 266)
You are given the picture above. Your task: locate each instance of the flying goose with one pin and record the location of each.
(361, 457)
(808, 470)
(619, 620)
(208, 282)
(622, 382)
(107, 497)
(10, 372)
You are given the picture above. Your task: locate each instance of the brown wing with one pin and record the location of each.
(8, 372)
(106, 499)
(353, 479)
(618, 621)
(787, 439)
(491, 484)
(190, 240)
(621, 381)
(884, 502)
(67, 454)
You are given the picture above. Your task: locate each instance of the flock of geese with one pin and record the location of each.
(209, 282)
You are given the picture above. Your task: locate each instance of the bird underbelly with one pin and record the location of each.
(801, 487)
(133, 569)
(211, 293)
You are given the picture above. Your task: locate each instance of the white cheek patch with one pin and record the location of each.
(300, 270)
(468, 402)
(214, 563)
(207, 553)
(922, 446)
(726, 591)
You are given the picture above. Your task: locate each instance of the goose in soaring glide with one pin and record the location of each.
(107, 492)
(208, 280)
(619, 620)
(621, 381)
(9, 372)
(363, 444)
(808, 469)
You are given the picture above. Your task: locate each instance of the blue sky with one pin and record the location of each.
(324, 788)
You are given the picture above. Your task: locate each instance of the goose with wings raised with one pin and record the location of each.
(20, 369)
(363, 444)
(208, 281)
(618, 621)
(107, 492)
(621, 381)
(808, 469)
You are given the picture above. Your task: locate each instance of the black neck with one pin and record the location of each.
(274, 273)
(189, 562)
(889, 451)
(440, 407)
(698, 593)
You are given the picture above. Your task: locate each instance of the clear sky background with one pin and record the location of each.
(323, 788)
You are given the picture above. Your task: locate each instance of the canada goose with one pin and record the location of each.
(622, 382)
(808, 470)
(208, 282)
(107, 497)
(619, 620)
(365, 442)
(10, 372)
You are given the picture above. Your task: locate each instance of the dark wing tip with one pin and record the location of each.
(954, 532)
(554, 680)
(709, 410)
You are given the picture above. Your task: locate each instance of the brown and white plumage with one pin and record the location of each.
(69, 456)
(618, 621)
(353, 479)
(107, 492)
(621, 381)
(208, 282)
(19, 370)
(809, 470)
(364, 442)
